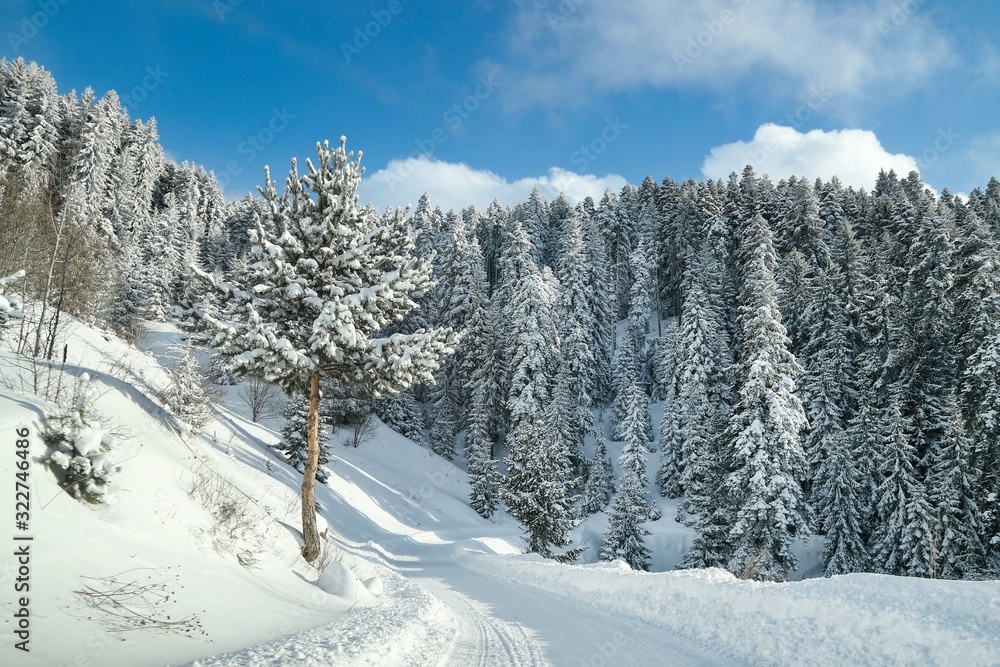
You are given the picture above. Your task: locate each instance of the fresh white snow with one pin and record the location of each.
(417, 577)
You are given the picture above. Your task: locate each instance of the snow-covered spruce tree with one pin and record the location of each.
(839, 494)
(325, 280)
(636, 428)
(9, 303)
(80, 446)
(768, 465)
(626, 373)
(668, 475)
(575, 323)
(444, 424)
(294, 442)
(701, 401)
(626, 524)
(537, 490)
(602, 307)
(977, 308)
(402, 414)
(901, 539)
(486, 408)
(599, 486)
(484, 478)
(866, 427)
(460, 299)
(538, 487)
(571, 410)
(958, 527)
(636, 432)
(617, 227)
(186, 397)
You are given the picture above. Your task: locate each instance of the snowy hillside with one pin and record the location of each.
(449, 587)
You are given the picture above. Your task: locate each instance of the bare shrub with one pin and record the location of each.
(132, 600)
(235, 524)
(328, 553)
(363, 431)
(261, 398)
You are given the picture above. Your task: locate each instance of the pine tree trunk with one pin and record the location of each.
(310, 533)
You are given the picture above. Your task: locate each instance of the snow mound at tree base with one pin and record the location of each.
(338, 579)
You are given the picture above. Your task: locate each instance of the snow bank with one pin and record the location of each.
(848, 620)
(414, 630)
(338, 579)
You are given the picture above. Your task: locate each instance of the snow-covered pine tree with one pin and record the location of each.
(617, 231)
(977, 309)
(574, 308)
(636, 432)
(636, 427)
(401, 413)
(626, 524)
(602, 308)
(294, 442)
(486, 411)
(575, 322)
(533, 216)
(827, 384)
(444, 426)
(460, 299)
(626, 373)
(571, 413)
(538, 487)
(599, 486)
(640, 294)
(957, 526)
(80, 446)
(922, 335)
(841, 516)
(765, 485)
(185, 396)
(484, 478)
(901, 540)
(703, 359)
(10, 304)
(325, 281)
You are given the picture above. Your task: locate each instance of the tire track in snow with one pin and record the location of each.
(483, 639)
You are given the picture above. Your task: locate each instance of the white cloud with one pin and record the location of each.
(456, 185)
(854, 156)
(563, 49)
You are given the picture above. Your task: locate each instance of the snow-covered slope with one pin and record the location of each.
(457, 589)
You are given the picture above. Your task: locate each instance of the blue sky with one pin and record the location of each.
(476, 99)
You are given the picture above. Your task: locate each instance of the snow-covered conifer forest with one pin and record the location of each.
(759, 365)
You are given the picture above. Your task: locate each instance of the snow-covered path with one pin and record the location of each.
(506, 623)
(483, 639)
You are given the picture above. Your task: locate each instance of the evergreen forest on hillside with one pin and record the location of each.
(826, 360)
